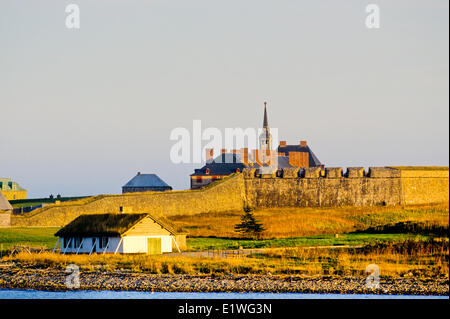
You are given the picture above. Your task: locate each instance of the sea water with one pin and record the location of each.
(108, 294)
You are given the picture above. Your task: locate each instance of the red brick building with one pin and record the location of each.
(265, 157)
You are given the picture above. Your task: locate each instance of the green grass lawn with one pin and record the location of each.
(27, 204)
(18, 203)
(43, 237)
(200, 243)
(28, 236)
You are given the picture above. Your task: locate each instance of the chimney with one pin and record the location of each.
(303, 143)
(282, 143)
(209, 154)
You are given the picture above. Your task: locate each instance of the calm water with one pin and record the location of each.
(87, 294)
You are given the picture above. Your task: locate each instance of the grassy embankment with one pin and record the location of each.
(317, 224)
(18, 203)
(396, 239)
(300, 222)
(285, 227)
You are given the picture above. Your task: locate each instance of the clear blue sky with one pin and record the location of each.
(82, 111)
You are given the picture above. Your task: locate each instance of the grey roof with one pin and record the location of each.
(146, 180)
(224, 164)
(313, 160)
(283, 162)
(4, 204)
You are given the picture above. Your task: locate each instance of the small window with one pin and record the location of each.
(68, 242)
(207, 171)
(78, 242)
(103, 242)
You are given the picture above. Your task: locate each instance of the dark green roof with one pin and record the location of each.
(104, 225)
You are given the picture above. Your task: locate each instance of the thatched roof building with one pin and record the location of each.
(123, 233)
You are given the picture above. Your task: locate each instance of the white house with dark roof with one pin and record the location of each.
(145, 183)
(118, 233)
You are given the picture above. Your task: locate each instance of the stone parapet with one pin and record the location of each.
(312, 172)
(333, 172)
(290, 172)
(355, 172)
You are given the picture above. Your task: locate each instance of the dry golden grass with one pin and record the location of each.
(298, 222)
(422, 259)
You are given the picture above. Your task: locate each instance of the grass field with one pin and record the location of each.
(38, 201)
(300, 222)
(287, 227)
(38, 237)
(422, 259)
(42, 237)
(211, 243)
(399, 240)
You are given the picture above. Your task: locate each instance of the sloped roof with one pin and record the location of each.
(227, 163)
(105, 225)
(283, 162)
(313, 160)
(224, 164)
(6, 184)
(146, 180)
(4, 204)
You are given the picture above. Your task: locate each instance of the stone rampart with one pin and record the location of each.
(292, 187)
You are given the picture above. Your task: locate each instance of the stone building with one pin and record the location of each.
(145, 183)
(12, 189)
(265, 159)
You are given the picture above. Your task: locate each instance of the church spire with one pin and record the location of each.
(266, 122)
(265, 139)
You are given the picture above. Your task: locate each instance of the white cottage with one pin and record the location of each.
(118, 233)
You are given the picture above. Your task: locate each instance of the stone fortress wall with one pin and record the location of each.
(292, 187)
(313, 187)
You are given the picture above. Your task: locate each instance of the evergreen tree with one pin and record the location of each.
(249, 225)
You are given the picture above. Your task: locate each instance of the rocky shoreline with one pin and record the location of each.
(54, 280)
